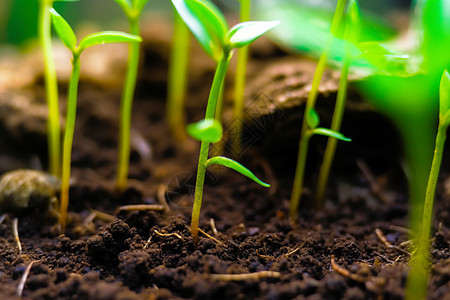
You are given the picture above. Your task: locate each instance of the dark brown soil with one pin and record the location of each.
(151, 255)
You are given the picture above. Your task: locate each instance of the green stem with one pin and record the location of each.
(51, 88)
(416, 287)
(126, 107)
(310, 104)
(219, 77)
(176, 89)
(68, 139)
(239, 84)
(335, 126)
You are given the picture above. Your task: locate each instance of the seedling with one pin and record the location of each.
(51, 87)
(418, 277)
(310, 114)
(69, 39)
(239, 83)
(210, 28)
(176, 89)
(133, 10)
(352, 24)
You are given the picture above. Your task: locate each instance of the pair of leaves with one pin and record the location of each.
(129, 6)
(313, 120)
(444, 99)
(210, 28)
(67, 35)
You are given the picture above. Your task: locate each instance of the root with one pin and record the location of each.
(212, 223)
(15, 232)
(168, 234)
(210, 237)
(344, 272)
(161, 195)
(383, 239)
(153, 207)
(247, 276)
(24, 279)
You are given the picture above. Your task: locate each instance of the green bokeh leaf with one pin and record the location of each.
(64, 30)
(245, 33)
(312, 118)
(232, 164)
(384, 59)
(107, 37)
(353, 22)
(331, 133)
(206, 23)
(124, 4)
(444, 99)
(139, 4)
(209, 130)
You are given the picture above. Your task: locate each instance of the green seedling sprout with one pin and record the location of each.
(177, 85)
(210, 28)
(306, 132)
(352, 29)
(51, 88)
(69, 39)
(239, 83)
(133, 11)
(418, 278)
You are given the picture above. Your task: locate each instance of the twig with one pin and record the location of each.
(247, 276)
(344, 272)
(295, 250)
(168, 234)
(212, 223)
(161, 194)
(154, 207)
(24, 279)
(210, 237)
(264, 256)
(383, 239)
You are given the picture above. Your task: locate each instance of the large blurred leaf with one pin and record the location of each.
(386, 60)
(206, 22)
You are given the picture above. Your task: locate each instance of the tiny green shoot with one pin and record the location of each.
(177, 84)
(133, 11)
(352, 28)
(239, 83)
(309, 109)
(67, 36)
(418, 277)
(210, 28)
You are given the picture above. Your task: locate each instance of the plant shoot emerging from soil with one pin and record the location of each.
(309, 110)
(418, 277)
(352, 24)
(210, 28)
(133, 10)
(69, 39)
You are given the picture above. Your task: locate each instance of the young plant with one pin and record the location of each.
(177, 84)
(51, 87)
(239, 83)
(69, 39)
(418, 277)
(210, 28)
(309, 110)
(352, 24)
(133, 10)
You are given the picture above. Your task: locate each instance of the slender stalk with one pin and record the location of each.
(239, 84)
(126, 107)
(416, 287)
(51, 88)
(68, 139)
(310, 104)
(336, 122)
(219, 77)
(176, 89)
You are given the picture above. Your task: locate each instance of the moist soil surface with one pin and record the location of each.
(355, 248)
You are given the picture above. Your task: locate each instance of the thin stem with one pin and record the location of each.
(126, 108)
(336, 122)
(219, 77)
(310, 104)
(176, 89)
(68, 139)
(418, 277)
(51, 88)
(239, 84)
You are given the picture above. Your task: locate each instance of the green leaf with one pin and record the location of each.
(331, 133)
(353, 22)
(107, 37)
(384, 59)
(312, 118)
(139, 5)
(64, 30)
(206, 23)
(245, 33)
(209, 130)
(124, 4)
(232, 164)
(444, 99)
